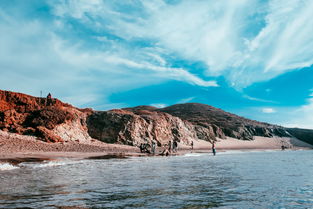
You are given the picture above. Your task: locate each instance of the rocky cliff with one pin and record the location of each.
(141, 126)
(54, 121)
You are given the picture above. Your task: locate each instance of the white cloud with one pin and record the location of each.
(159, 105)
(268, 110)
(186, 100)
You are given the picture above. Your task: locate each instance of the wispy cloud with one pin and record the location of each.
(258, 99)
(185, 100)
(245, 41)
(253, 98)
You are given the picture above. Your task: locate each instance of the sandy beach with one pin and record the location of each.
(14, 146)
(18, 146)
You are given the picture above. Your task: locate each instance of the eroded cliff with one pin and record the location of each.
(54, 121)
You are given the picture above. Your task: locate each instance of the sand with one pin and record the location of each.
(259, 143)
(13, 146)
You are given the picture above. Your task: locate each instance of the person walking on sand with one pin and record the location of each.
(213, 149)
(191, 145)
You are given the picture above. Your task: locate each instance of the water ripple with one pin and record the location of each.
(233, 180)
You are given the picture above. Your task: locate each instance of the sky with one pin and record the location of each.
(253, 58)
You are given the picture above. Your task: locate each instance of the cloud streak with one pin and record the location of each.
(246, 40)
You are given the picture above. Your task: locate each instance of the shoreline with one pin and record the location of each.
(25, 148)
(17, 158)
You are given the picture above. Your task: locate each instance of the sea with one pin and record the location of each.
(233, 179)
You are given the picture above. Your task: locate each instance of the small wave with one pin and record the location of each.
(49, 164)
(227, 152)
(7, 166)
(247, 151)
(194, 154)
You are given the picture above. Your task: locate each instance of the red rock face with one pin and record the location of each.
(24, 114)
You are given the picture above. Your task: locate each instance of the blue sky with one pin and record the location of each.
(250, 57)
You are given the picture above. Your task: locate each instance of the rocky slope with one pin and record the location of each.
(51, 120)
(305, 135)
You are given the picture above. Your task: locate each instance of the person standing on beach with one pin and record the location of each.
(170, 146)
(213, 149)
(175, 145)
(192, 145)
(153, 147)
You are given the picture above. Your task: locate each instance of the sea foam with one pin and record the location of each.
(7, 166)
(49, 163)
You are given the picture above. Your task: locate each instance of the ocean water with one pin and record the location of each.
(270, 179)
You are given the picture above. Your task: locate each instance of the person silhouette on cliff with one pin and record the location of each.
(49, 100)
